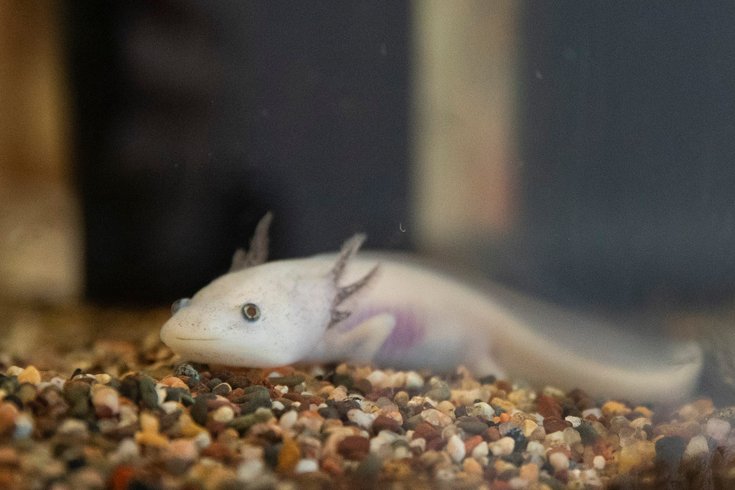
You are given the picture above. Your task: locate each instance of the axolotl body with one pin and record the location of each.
(392, 312)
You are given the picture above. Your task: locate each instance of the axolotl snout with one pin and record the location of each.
(390, 311)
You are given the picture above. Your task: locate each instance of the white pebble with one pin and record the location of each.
(598, 462)
(23, 426)
(14, 371)
(718, 429)
(535, 447)
(575, 421)
(559, 461)
(419, 442)
(202, 440)
(250, 469)
(414, 380)
(307, 465)
(377, 379)
(170, 406)
(455, 448)
(480, 451)
(288, 419)
(482, 410)
(503, 446)
(223, 414)
(126, 451)
(381, 444)
(278, 405)
(696, 447)
(571, 436)
(282, 389)
(362, 419)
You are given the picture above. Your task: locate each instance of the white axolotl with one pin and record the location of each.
(387, 310)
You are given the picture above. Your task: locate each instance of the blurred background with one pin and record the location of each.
(580, 151)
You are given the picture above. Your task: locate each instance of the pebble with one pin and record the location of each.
(456, 448)
(354, 447)
(250, 470)
(503, 446)
(223, 414)
(215, 428)
(438, 390)
(29, 375)
(306, 465)
(559, 461)
(696, 447)
(362, 419)
(435, 417)
(718, 429)
(106, 401)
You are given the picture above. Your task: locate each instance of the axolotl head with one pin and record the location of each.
(267, 315)
(262, 316)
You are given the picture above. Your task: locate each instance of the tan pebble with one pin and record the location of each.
(148, 422)
(102, 378)
(528, 426)
(503, 404)
(30, 375)
(503, 446)
(472, 467)
(612, 408)
(396, 470)
(446, 407)
(559, 461)
(153, 439)
(435, 417)
(183, 449)
(174, 382)
(639, 454)
(529, 472)
(646, 412)
(187, 426)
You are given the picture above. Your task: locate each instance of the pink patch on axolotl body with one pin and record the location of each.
(407, 332)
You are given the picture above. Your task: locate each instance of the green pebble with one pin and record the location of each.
(244, 422)
(439, 391)
(148, 394)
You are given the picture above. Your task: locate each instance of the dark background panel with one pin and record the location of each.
(194, 118)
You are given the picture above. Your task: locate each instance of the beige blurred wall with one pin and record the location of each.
(40, 242)
(464, 121)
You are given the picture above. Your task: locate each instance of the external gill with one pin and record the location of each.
(349, 249)
(258, 252)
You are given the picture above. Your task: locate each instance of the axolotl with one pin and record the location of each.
(392, 312)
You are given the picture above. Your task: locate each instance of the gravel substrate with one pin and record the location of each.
(134, 418)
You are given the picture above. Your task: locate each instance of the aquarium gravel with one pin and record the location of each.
(127, 414)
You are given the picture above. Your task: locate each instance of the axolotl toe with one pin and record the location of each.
(388, 310)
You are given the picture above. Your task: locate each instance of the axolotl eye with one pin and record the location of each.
(179, 303)
(250, 311)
